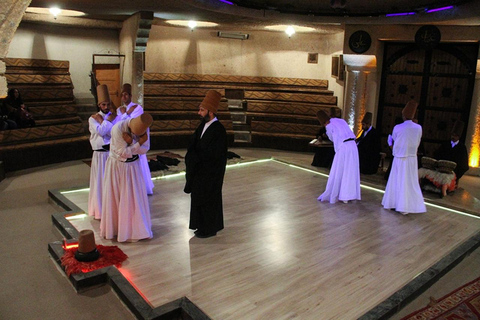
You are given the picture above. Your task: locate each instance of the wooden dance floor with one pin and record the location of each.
(283, 254)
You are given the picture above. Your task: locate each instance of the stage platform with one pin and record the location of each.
(282, 254)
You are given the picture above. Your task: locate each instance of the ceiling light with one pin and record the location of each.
(186, 23)
(290, 31)
(192, 24)
(399, 14)
(282, 27)
(227, 2)
(233, 35)
(55, 11)
(438, 9)
(68, 13)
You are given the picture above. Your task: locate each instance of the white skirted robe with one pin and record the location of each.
(344, 180)
(126, 210)
(99, 136)
(403, 192)
(143, 157)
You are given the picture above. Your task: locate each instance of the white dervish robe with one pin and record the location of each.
(125, 209)
(143, 158)
(403, 192)
(99, 136)
(344, 180)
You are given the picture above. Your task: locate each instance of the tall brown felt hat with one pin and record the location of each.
(87, 249)
(458, 128)
(211, 101)
(367, 118)
(102, 94)
(140, 124)
(409, 110)
(322, 117)
(127, 87)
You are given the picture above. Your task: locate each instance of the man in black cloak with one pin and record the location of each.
(455, 151)
(368, 143)
(205, 161)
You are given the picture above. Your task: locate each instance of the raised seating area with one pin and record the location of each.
(274, 112)
(174, 106)
(59, 135)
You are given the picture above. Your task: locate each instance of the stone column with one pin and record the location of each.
(11, 13)
(138, 76)
(472, 139)
(360, 89)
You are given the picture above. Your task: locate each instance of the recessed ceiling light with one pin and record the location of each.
(67, 13)
(290, 31)
(283, 27)
(186, 23)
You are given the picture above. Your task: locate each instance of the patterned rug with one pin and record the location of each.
(461, 304)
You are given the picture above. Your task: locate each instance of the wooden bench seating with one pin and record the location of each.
(279, 112)
(46, 89)
(288, 125)
(174, 108)
(31, 147)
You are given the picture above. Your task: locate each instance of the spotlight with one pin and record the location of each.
(290, 31)
(55, 11)
(192, 24)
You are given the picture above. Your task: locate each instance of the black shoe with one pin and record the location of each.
(203, 235)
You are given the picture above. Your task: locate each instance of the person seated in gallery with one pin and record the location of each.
(324, 151)
(16, 110)
(368, 144)
(455, 151)
(5, 122)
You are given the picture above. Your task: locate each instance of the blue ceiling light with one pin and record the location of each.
(227, 2)
(399, 14)
(438, 9)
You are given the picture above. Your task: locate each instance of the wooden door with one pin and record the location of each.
(440, 79)
(109, 74)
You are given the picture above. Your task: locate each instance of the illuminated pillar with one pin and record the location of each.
(360, 89)
(473, 132)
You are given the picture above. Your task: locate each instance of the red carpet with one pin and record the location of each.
(109, 255)
(461, 304)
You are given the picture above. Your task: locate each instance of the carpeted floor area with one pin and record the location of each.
(461, 304)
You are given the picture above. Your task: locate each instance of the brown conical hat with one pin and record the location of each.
(140, 124)
(86, 241)
(458, 128)
(409, 110)
(322, 117)
(102, 94)
(367, 118)
(127, 87)
(211, 101)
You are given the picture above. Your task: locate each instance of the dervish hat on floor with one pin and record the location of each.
(102, 94)
(322, 117)
(140, 124)
(211, 101)
(410, 108)
(127, 87)
(367, 118)
(87, 249)
(458, 128)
